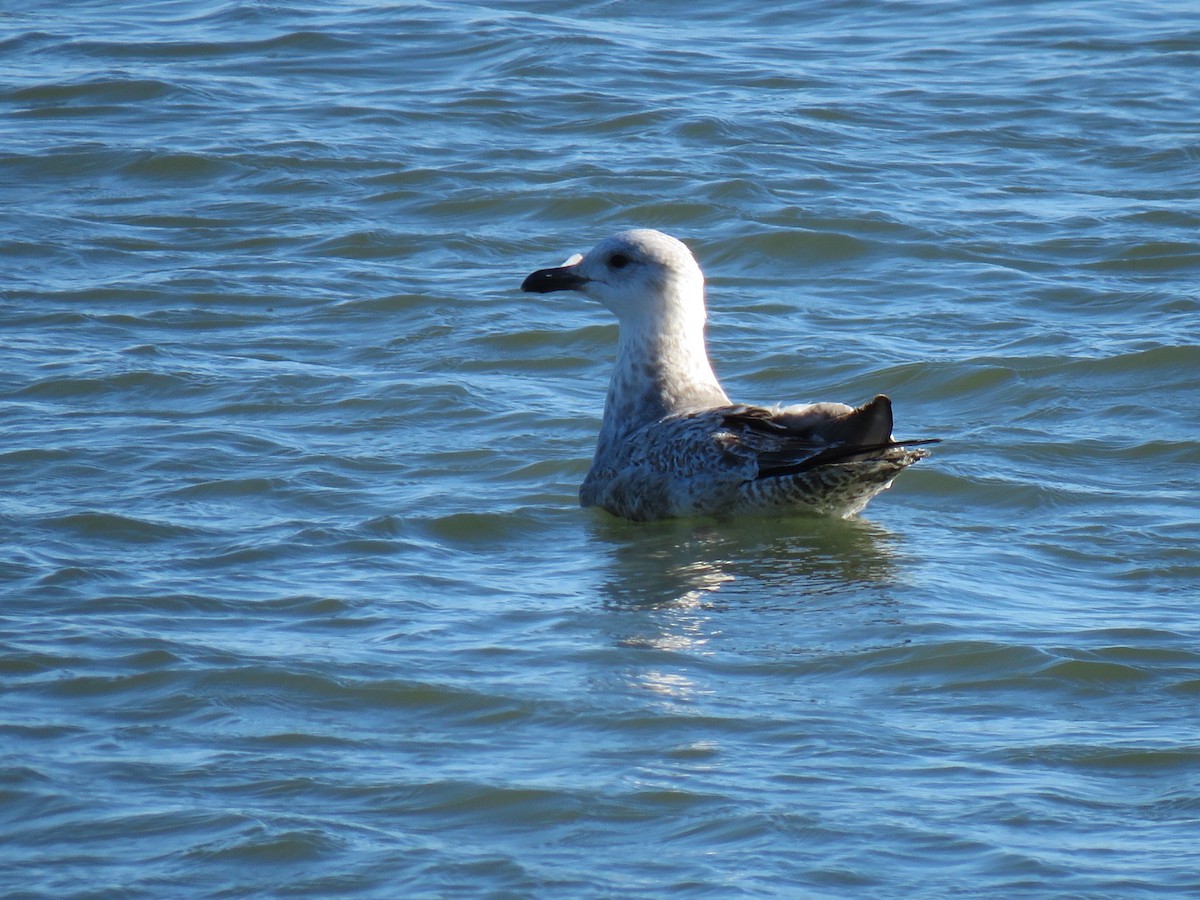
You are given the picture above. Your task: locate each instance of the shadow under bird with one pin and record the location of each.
(671, 442)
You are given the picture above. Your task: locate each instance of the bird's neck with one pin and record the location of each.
(662, 368)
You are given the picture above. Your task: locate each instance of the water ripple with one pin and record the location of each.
(297, 596)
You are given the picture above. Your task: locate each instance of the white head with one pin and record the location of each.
(645, 277)
(653, 285)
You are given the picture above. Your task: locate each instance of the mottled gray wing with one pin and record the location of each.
(783, 443)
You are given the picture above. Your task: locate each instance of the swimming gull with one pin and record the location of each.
(671, 442)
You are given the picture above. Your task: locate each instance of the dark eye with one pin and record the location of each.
(618, 261)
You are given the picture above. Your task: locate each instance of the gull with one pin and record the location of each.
(672, 443)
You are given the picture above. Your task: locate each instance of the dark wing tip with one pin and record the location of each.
(842, 453)
(872, 421)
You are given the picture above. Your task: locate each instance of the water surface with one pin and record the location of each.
(296, 597)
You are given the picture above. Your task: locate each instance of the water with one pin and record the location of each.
(296, 597)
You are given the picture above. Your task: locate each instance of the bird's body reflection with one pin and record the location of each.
(684, 563)
(693, 596)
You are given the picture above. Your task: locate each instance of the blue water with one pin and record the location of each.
(295, 596)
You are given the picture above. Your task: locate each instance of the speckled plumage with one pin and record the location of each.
(671, 442)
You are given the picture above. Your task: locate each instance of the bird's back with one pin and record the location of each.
(747, 459)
